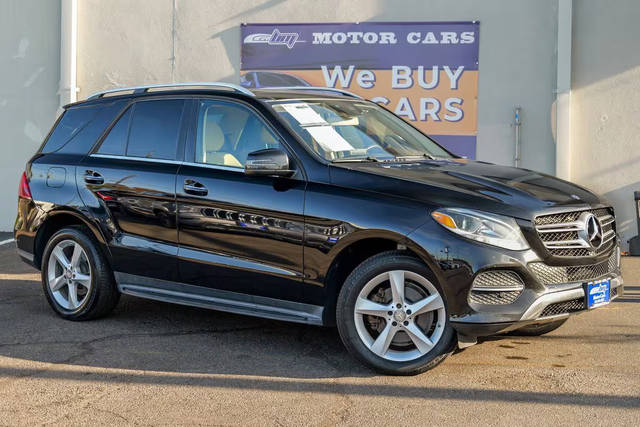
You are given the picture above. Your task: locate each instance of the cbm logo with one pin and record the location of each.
(276, 38)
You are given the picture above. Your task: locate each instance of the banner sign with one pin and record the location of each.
(425, 72)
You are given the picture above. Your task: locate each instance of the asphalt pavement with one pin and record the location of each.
(151, 363)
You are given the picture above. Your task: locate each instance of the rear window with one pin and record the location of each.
(79, 127)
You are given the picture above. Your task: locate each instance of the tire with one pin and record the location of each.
(386, 337)
(538, 329)
(87, 272)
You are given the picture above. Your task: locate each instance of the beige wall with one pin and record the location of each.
(29, 74)
(124, 43)
(605, 104)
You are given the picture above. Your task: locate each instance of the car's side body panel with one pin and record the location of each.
(245, 235)
(135, 204)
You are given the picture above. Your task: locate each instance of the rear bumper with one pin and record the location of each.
(556, 301)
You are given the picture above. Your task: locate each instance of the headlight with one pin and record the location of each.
(496, 230)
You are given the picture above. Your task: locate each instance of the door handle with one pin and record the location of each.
(93, 177)
(194, 187)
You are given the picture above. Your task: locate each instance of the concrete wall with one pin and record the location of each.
(29, 70)
(124, 43)
(605, 104)
(149, 41)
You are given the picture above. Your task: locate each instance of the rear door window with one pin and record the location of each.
(149, 129)
(155, 128)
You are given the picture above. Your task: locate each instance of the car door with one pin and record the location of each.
(129, 183)
(238, 233)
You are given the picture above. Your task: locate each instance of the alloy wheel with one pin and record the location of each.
(69, 275)
(399, 315)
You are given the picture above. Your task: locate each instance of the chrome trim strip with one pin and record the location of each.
(226, 261)
(606, 220)
(535, 309)
(172, 162)
(145, 88)
(567, 244)
(561, 226)
(571, 226)
(210, 166)
(496, 289)
(138, 159)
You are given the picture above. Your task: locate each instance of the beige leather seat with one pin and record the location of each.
(212, 143)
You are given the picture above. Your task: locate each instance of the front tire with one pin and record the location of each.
(76, 277)
(391, 315)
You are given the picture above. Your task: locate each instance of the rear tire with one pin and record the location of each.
(539, 329)
(76, 278)
(391, 315)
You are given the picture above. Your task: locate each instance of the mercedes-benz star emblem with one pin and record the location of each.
(592, 231)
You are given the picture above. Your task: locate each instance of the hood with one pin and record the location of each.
(516, 192)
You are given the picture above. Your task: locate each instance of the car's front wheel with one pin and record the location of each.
(392, 315)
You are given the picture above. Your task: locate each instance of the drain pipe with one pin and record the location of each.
(516, 125)
(68, 90)
(563, 91)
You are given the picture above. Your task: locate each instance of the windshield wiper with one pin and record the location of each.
(416, 157)
(356, 160)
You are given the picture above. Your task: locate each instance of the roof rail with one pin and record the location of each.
(317, 88)
(143, 89)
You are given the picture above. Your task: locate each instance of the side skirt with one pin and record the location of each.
(215, 299)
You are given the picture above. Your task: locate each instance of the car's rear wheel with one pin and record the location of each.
(76, 278)
(392, 315)
(538, 329)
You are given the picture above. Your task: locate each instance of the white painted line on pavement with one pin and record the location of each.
(4, 242)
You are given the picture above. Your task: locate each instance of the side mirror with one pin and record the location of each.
(268, 162)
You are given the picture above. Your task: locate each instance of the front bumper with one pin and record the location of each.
(549, 291)
(548, 307)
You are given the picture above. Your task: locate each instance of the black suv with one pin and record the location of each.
(308, 205)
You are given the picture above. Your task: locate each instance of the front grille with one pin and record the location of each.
(559, 233)
(496, 287)
(493, 298)
(614, 293)
(549, 275)
(563, 307)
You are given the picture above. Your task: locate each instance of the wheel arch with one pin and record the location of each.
(57, 220)
(351, 254)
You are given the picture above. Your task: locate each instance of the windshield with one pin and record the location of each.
(347, 130)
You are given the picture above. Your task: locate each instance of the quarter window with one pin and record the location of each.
(72, 122)
(227, 133)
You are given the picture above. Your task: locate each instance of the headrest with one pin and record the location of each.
(212, 135)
